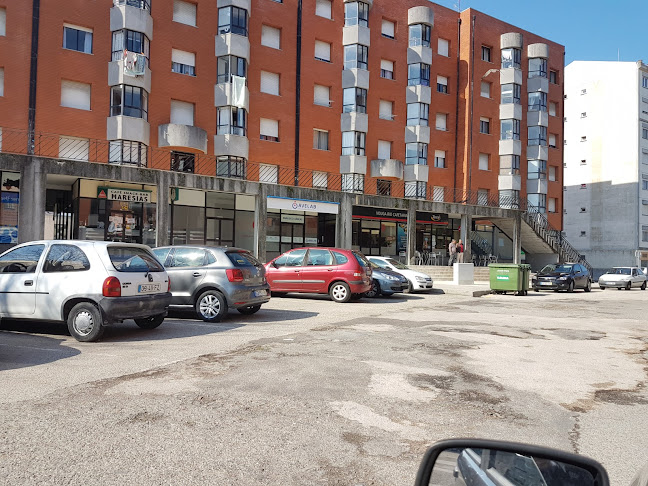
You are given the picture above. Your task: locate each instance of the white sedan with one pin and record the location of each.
(623, 278)
(417, 280)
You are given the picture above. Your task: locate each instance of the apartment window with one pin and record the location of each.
(484, 125)
(552, 140)
(320, 139)
(485, 89)
(644, 233)
(482, 197)
(130, 41)
(75, 95)
(322, 95)
(268, 173)
(644, 207)
(270, 37)
(77, 38)
(320, 179)
(384, 149)
(442, 121)
(418, 114)
(1, 89)
(386, 110)
(416, 153)
(484, 161)
(353, 143)
(416, 189)
(354, 100)
(229, 67)
(183, 62)
(355, 56)
(537, 169)
(419, 35)
(418, 74)
(270, 83)
(233, 20)
(539, 201)
(583, 186)
(439, 159)
(323, 8)
(509, 164)
(644, 82)
(511, 58)
(583, 162)
(438, 194)
(234, 167)
(184, 12)
(509, 198)
(552, 174)
(510, 129)
(644, 133)
(383, 187)
(582, 139)
(182, 113)
(537, 67)
(583, 233)
(486, 54)
(443, 48)
(3, 22)
(356, 13)
(583, 209)
(537, 135)
(583, 91)
(538, 101)
(552, 109)
(232, 121)
(551, 205)
(183, 162)
(127, 152)
(141, 4)
(511, 93)
(322, 51)
(386, 69)
(353, 182)
(128, 101)
(388, 28)
(269, 130)
(442, 84)
(553, 77)
(72, 148)
(583, 114)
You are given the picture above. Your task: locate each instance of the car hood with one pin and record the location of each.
(614, 277)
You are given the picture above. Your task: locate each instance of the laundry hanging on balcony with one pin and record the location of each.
(134, 63)
(238, 91)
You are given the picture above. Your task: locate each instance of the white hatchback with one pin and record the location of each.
(417, 280)
(88, 284)
(623, 278)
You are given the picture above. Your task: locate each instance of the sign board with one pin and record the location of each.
(125, 195)
(292, 218)
(379, 213)
(431, 218)
(303, 205)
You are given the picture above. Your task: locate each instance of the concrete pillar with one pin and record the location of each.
(31, 207)
(517, 238)
(163, 210)
(260, 218)
(466, 228)
(344, 223)
(411, 233)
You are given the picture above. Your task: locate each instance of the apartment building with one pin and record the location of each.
(418, 105)
(606, 162)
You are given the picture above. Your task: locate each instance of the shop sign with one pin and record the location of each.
(311, 241)
(292, 218)
(125, 195)
(379, 213)
(303, 205)
(272, 239)
(431, 218)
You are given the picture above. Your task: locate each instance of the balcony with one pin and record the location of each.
(418, 94)
(231, 145)
(354, 122)
(417, 134)
(509, 182)
(182, 137)
(355, 78)
(117, 75)
(413, 173)
(356, 34)
(226, 95)
(122, 127)
(387, 169)
(232, 45)
(353, 164)
(127, 14)
(419, 54)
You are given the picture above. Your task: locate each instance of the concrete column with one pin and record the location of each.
(260, 217)
(466, 228)
(344, 223)
(517, 237)
(411, 233)
(163, 210)
(31, 207)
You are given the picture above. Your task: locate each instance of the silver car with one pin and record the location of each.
(623, 278)
(213, 279)
(88, 284)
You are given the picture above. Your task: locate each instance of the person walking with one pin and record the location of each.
(452, 252)
(460, 251)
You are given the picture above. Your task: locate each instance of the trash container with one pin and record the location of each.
(509, 277)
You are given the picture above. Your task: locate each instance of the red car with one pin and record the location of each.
(343, 274)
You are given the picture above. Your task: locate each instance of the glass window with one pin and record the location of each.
(354, 100)
(419, 35)
(553, 77)
(66, 258)
(537, 169)
(231, 167)
(537, 67)
(232, 121)
(188, 257)
(183, 161)
(509, 164)
(319, 257)
(243, 259)
(538, 135)
(353, 143)
(291, 259)
(129, 101)
(538, 101)
(77, 40)
(511, 58)
(510, 129)
(353, 182)
(511, 93)
(229, 66)
(128, 152)
(416, 153)
(418, 74)
(320, 139)
(21, 260)
(356, 13)
(232, 20)
(442, 84)
(355, 56)
(539, 201)
(509, 199)
(161, 254)
(486, 54)
(133, 260)
(484, 125)
(418, 114)
(340, 258)
(130, 41)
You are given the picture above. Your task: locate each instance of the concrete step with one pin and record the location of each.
(445, 273)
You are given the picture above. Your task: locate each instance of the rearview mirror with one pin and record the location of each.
(473, 462)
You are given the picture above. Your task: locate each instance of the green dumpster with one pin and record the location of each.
(509, 277)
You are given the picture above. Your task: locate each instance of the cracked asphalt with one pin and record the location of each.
(307, 391)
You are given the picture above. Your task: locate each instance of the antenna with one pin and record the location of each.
(457, 5)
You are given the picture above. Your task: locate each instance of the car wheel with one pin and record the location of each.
(85, 322)
(570, 287)
(340, 292)
(211, 306)
(374, 291)
(410, 286)
(628, 286)
(536, 290)
(249, 310)
(643, 285)
(588, 286)
(150, 322)
(602, 288)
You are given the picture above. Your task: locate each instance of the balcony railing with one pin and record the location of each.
(141, 4)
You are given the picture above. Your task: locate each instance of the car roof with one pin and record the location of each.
(204, 247)
(83, 243)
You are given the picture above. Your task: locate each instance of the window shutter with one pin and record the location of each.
(1, 81)
(183, 57)
(74, 148)
(442, 80)
(552, 140)
(438, 194)
(483, 161)
(75, 95)
(270, 83)
(485, 89)
(270, 37)
(269, 128)
(322, 95)
(552, 173)
(323, 8)
(385, 109)
(482, 197)
(184, 12)
(387, 65)
(182, 113)
(444, 48)
(441, 121)
(384, 149)
(322, 50)
(3, 21)
(388, 28)
(551, 205)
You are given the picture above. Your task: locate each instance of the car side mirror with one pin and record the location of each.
(478, 462)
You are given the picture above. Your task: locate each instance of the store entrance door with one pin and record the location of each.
(123, 226)
(292, 236)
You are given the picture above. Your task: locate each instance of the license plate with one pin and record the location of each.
(152, 287)
(545, 283)
(260, 293)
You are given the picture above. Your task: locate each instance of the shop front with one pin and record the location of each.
(434, 231)
(379, 231)
(9, 200)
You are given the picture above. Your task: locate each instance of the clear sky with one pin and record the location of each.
(594, 30)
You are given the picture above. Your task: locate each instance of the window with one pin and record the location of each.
(322, 95)
(482, 197)
(416, 189)
(269, 174)
(583, 209)
(352, 183)
(320, 139)
(537, 135)
(130, 41)
(644, 233)
(232, 121)
(270, 83)
(269, 130)
(141, 4)
(66, 258)
(418, 114)
(509, 199)
(583, 114)
(416, 153)
(509, 164)
(355, 55)
(582, 139)
(384, 149)
(552, 140)
(354, 100)
(537, 169)
(511, 58)
(583, 233)
(644, 82)
(127, 152)
(128, 101)
(486, 54)
(552, 109)
(443, 48)
(442, 84)
(271, 37)
(72, 148)
(510, 129)
(3, 22)
(320, 179)
(322, 51)
(183, 62)
(356, 13)
(319, 257)
(182, 113)
(323, 8)
(229, 66)
(77, 38)
(551, 205)
(438, 194)
(353, 143)
(419, 35)
(418, 74)
(644, 207)
(441, 121)
(583, 91)
(583, 162)
(484, 161)
(383, 187)
(233, 20)
(22, 260)
(386, 69)
(75, 95)
(1, 88)
(388, 28)
(538, 101)
(484, 125)
(234, 167)
(539, 201)
(485, 89)
(537, 67)
(552, 174)
(184, 12)
(553, 77)
(644, 133)
(439, 159)
(511, 93)
(385, 110)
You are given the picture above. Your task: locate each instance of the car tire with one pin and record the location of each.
(570, 287)
(643, 286)
(588, 286)
(211, 306)
(150, 322)
(85, 322)
(410, 287)
(340, 292)
(536, 290)
(374, 291)
(249, 310)
(628, 286)
(602, 288)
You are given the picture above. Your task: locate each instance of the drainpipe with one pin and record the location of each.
(298, 89)
(472, 99)
(456, 144)
(33, 68)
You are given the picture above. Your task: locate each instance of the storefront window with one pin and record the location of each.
(106, 220)
(188, 225)
(9, 217)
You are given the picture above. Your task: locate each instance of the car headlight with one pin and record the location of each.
(562, 279)
(420, 279)
(393, 278)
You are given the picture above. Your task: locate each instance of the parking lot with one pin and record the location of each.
(307, 391)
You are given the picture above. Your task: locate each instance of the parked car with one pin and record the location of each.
(623, 278)
(563, 276)
(88, 284)
(385, 282)
(417, 281)
(214, 279)
(343, 274)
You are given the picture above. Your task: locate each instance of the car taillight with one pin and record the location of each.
(234, 275)
(111, 287)
(169, 286)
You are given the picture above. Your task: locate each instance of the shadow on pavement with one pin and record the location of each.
(18, 350)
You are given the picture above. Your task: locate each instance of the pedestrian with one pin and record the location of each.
(452, 252)
(460, 251)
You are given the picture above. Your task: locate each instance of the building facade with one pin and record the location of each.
(406, 101)
(606, 162)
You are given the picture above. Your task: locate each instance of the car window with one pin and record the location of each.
(564, 268)
(639, 271)
(243, 259)
(340, 258)
(210, 258)
(362, 260)
(21, 260)
(133, 259)
(397, 264)
(291, 259)
(319, 258)
(161, 254)
(634, 272)
(188, 257)
(620, 271)
(66, 258)
(380, 263)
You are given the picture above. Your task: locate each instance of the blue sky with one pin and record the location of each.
(594, 30)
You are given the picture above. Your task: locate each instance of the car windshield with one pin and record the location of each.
(397, 264)
(620, 271)
(132, 259)
(362, 260)
(557, 269)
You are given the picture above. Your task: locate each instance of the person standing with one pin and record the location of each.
(460, 251)
(452, 252)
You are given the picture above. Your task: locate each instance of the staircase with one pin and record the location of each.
(479, 245)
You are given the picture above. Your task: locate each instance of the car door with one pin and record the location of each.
(581, 275)
(186, 269)
(318, 271)
(18, 280)
(285, 275)
(635, 278)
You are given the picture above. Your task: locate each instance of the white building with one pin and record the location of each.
(606, 162)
